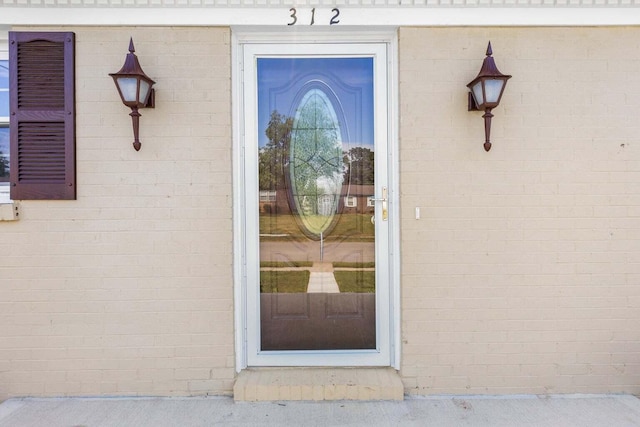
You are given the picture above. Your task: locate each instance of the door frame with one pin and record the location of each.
(242, 37)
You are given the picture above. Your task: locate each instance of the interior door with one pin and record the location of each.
(317, 208)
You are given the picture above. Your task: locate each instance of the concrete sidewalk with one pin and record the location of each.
(443, 411)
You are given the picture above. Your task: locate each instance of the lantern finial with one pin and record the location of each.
(131, 48)
(489, 51)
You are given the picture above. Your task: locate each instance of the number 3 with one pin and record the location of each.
(293, 16)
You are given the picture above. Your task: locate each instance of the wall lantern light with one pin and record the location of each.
(135, 89)
(485, 92)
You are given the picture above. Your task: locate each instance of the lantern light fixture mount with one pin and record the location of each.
(135, 89)
(485, 92)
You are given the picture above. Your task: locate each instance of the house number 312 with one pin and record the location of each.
(332, 21)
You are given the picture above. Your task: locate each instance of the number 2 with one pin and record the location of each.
(334, 19)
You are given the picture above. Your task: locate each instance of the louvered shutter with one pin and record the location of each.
(42, 120)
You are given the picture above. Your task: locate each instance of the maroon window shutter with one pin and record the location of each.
(42, 120)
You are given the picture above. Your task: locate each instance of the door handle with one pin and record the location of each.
(383, 199)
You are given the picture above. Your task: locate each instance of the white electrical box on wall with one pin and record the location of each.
(9, 211)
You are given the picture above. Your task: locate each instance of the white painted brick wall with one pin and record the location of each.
(520, 277)
(522, 274)
(128, 290)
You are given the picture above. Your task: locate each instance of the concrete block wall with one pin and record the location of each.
(128, 289)
(522, 275)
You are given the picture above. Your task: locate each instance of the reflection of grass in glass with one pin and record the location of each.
(278, 224)
(283, 264)
(350, 227)
(354, 264)
(356, 281)
(316, 223)
(284, 282)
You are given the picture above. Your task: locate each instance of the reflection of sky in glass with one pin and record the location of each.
(4, 88)
(4, 140)
(4, 150)
(350, 81)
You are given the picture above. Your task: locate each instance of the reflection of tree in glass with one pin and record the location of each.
(359, 166)
(4, 165)
(274, 157)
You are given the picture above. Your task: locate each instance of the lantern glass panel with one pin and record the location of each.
(493, 88)
(144, 91)
(476, 89)
(128, 87)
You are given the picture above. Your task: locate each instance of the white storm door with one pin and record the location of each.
(315, 191)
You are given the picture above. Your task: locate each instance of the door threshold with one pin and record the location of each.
(315, 384)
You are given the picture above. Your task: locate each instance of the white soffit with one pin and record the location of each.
(343, 13)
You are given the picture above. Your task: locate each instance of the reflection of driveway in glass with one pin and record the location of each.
(310, 251)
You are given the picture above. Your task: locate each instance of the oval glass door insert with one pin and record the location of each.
(315, 164)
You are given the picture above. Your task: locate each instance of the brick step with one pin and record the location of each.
(279, 384)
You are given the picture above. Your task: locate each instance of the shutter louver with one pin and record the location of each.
(41, 153)
(41, 75)
(42, 115)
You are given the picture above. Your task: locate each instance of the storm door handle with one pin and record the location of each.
(383, 199)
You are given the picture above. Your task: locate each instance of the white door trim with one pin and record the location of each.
(244, 256)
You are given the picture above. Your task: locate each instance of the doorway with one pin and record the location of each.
(315, 205)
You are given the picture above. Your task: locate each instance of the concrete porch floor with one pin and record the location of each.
(439, 411)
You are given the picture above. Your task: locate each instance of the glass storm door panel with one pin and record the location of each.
(316, 159)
